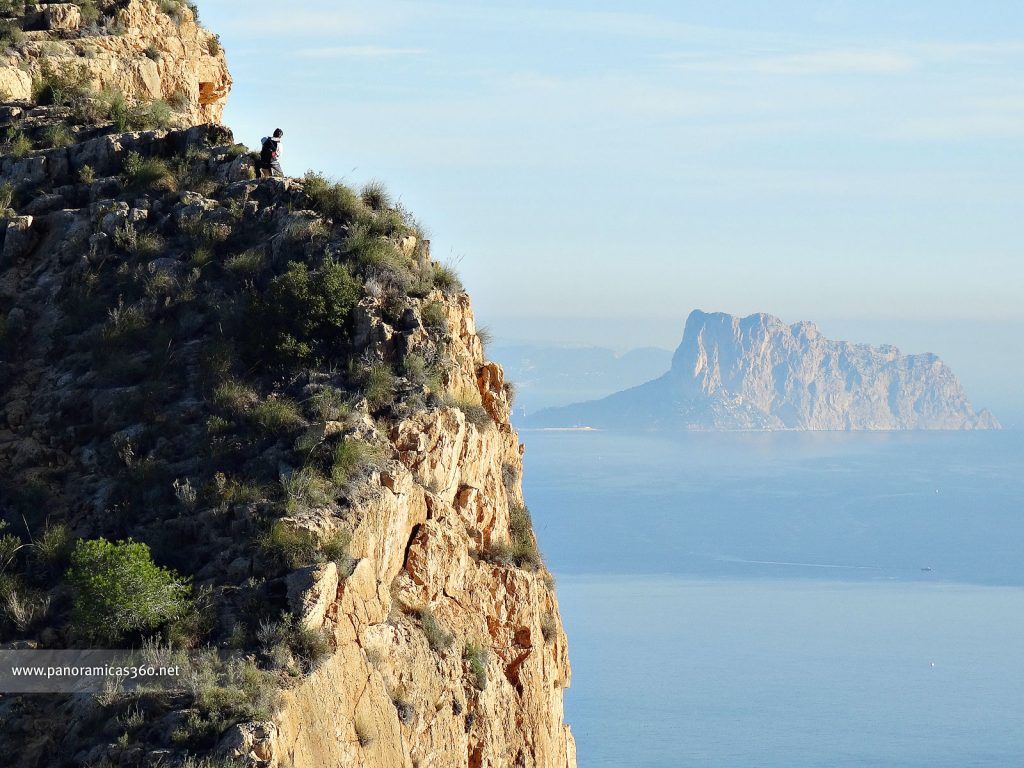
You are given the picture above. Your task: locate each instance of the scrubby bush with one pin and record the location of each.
(476, 659)
(277, 414)
(375, 196)
(378, 385)
(246, 264)
(142, 244)
(331, 404)
(68, 85)
(350, 457)
(435, 318)
(11, 33)
(117, 589)
(54, 544)
(147, 173)
(303, 318)
(474, 412)
(332, 199)
(438, 639)
(18, 145)
(59, 135)
(306, 488)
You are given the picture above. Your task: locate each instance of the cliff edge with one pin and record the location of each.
(268, 407)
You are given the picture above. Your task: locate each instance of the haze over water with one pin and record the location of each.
(788, 599)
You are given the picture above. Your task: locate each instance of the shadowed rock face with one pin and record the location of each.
(758, 373)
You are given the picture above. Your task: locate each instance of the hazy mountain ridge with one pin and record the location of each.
(758, 373)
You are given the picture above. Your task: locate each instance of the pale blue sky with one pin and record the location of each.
(847, 162)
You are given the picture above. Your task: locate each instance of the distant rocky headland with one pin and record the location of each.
(757, 373)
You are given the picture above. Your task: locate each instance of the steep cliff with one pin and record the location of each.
(273, 385)
(758, 373)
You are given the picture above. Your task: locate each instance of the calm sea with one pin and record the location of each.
(788, 600)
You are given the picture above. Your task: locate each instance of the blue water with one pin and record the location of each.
(788, 600)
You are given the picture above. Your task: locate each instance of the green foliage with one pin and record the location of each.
(350, 457)
(434, 317)
(225, 693)
(520, 549)
(332, 199)
(246, 264)
(305, 488)
(68, 85)
(437, 637)
(11, 33)
(86, 174)
(476, 658)
(378, 385)
(277, 414)
(285, 638)
(304, 317)
(59, 135)
(297, 547)
(147, 173)
(331, 404)
(234, 397)
(18, 145)
(117, 589)
(230, 490)
(90, 13)
(474, 412)
(213, 46)
(375, 196)
(447, 279)
(54, 544)
(141, 244)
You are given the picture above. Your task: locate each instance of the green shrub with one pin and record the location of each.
(447, 279)
(378, 385)
(476, 658)
(68, 85)
(225, 693)
(246, 264)
(435, 318)
(331, 199)
(371, 250)
(474, 412)
(234, 397)
(11, 33)
(142, 244)
(18, 145)
(277, 414)
(375, 196)
(147, 173)
(213, 46)
(304, 317)
(90, 13)
(54, 545)
(229, 490)
(438, 639)
(306, 488)
(59, 135)
(86, 174)
(350, 457)
(297, 547)
(117, 589)
(331, 404)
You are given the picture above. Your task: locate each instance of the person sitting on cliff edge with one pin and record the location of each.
(270, 155)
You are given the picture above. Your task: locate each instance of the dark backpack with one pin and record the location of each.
(269, 152)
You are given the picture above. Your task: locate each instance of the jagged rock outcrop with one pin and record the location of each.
(758, 373)
(272, 384)
(144, 49)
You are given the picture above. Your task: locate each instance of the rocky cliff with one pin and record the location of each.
(273, 386)
(758, 373)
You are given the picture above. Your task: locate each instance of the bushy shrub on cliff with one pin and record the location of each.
(117, 589)
(303, 317)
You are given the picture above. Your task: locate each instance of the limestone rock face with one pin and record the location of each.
(135, 48)
(758, 373)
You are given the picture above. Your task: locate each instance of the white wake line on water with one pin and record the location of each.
(799, 565)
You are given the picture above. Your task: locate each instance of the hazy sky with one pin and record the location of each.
(830, 160)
